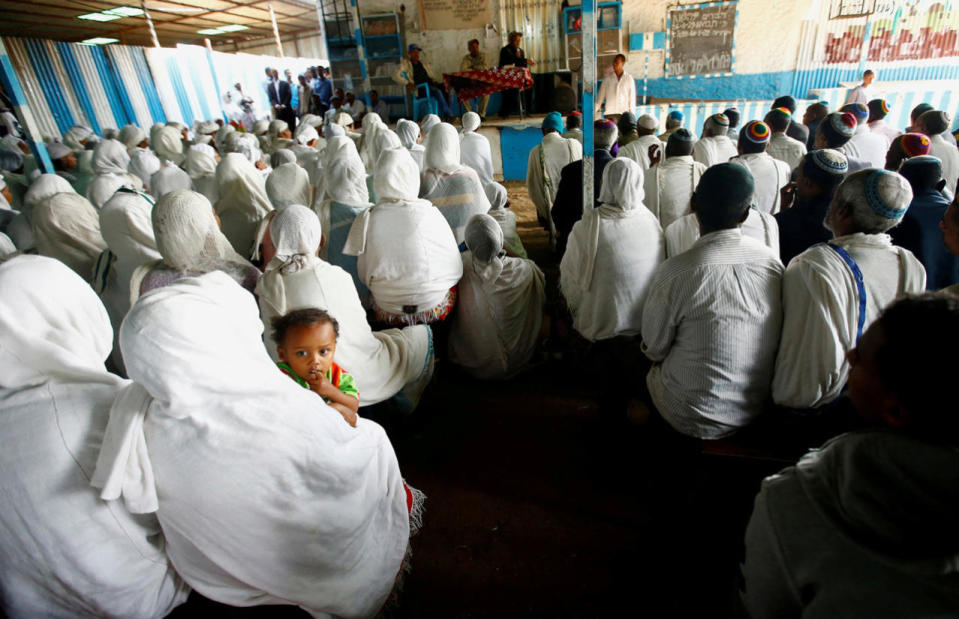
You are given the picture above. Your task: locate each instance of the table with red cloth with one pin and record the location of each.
(470, 84)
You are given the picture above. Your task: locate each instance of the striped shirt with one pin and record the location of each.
(711, 326)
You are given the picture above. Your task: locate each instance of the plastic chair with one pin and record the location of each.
(432, 107)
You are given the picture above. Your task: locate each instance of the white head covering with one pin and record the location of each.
(484, 238)
(442, 149)
(471, 121)
(296, 234)
(200, 161)
(307, 120)
(144, 164)
(131, 136)
(67, 227)
(169, 178)
(261, 127)
(429, 121)
(307, 135)
(154, 130)
(6, 246)
(128, 230)
(168, 145)
(110, 157)
(346, 175)
(383, 141)
(75, 135)
(105, 185)
(332, 130)
(45, 187)
(57, 149)
(288, 184)
(187, 235)
(110, 133)
(243, 201)
(224, 131)
(497, 196)
(276, 127)
(321, 521)
(408, 132)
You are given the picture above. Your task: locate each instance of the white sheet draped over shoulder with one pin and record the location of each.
(684, 232)
(63, 551)
(407, 253)
(264, 494)
(383, 362)
(66, 227)
(475, 149)
(453, 188)
(243, 201)
(611, 257)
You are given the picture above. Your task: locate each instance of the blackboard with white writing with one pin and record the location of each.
(700, 39)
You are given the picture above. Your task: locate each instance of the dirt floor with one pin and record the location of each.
(539, 506)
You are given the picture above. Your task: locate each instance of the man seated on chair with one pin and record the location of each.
(475, 61)
(413, 71)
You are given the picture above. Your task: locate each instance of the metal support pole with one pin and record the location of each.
(11, 84)
(153, 32)
(276, 33)
(589, 85)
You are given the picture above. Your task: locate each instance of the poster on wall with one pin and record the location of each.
(455, 14)
(700, 39)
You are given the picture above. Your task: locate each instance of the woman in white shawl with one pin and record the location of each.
(265, 495)
(346, 198)
(20, 227)
(385, 363)
(453, 188)
(499, 210)
(288, 184)
(243, 201)
(200, 164)
(65, 552)
(132, 137)
(280, 136)
(190, 242)
(499, 311)
(409, 134)
(168, 145)
(408, 256)
(128, 231)
(110, 163)
(429, 121)
(475, 150)
(611, 257)
(144, 164)
(370, 131)
(76, 137)
(67, 227)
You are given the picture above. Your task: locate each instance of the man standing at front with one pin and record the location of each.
(475, 60)
(281, 99)
(618, 91)
(712, 316)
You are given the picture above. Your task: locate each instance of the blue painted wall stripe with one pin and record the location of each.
(200, 91)
(103, 71)
(11, 85)
(179, 90)
(49, 84)
(120, 88)
(69, 60)
(216, 81)
(149, 88)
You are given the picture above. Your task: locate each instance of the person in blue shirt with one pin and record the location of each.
(323, 89)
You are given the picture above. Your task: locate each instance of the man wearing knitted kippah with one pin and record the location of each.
(806, 201)
(835, 131)
(878, 109)
(905, 146)
(715, 146)
(645, 137)
(833, 292)
(769, 174)
(781, 146)
(936, 124)
(864, 144)
(797, 131)
(545, 165)
(671, 180)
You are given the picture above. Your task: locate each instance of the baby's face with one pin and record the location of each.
(309, 349)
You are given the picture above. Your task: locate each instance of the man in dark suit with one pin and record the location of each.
(281, 98)
(568, 205)
(512, 55)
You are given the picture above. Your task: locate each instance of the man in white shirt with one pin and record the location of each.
(356, 107)
(715, 146)
(670, 182)
(674, 121)
(545, 166)
(769, 174)
(935, 124)
(711, 376)
(781, 146)
(865, 144)
(833, 292)
(862, 93)
(638, 149)
(574, 126)
(618, 91)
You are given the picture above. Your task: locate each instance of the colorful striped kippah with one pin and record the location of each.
(843, 122)
(675, 115)
(830, 161)
(915, 144)
(887, 193)
(859, 110)
(720, 119)
(783, 110)
(757, 132)
(884, 105)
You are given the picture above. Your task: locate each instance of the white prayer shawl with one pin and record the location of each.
(711, 327)
(66, 227)
(243, 201)
(821, 313)
(869, 146)
(409, 132)
(669, 187)
(144, 164)
(104, 186)
(344, 181)
(948, 154)
(475, 149)
(453, 188)
(684, 232)
(168, 145)
(638, 150)
(864, 526)
(714, 149)
(131, 136)
(64, 552)
(288, 184)
(499, 313)
(769, 175)
(787, 149)
(200, 164)
(506, 219)
(212, 432)
(382, 363)
(408, 256)
(128, 232)
(72, 137)
(110, 157)
(110, 163)
(544, 169)
(169, 178)
(611, 257)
